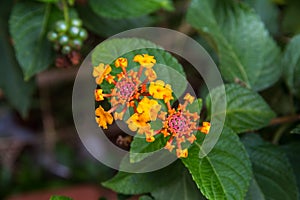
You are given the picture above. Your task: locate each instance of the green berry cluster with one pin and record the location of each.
(68, 36)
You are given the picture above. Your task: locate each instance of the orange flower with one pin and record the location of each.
(205, 127)
(151, 75)
(137, 121)
(160, 90)
(149, 108)
(169, 146)
(102, 117)
(100, 72)
(182, 153)
(121, 62)
(98, 95)
(145, 60)
(118, 116)
(189, 98)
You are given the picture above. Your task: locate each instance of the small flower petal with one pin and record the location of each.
(121, 62)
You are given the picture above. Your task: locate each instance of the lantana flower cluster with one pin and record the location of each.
(148, 100)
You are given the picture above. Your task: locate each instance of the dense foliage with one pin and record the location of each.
(256, 48)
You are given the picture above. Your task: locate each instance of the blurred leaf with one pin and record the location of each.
(273, 176)
(292, 150)
(145, 197)
(225, 172)
(60, 198)
(268, 13)
(18, 92)
(108, 27)
(246, 51)
(291, 15)
(245, 109)
(48, 1)
(128, 8)
(254, 192)
(28, 24)
(291, 65)
(296, 130)
(173, 181)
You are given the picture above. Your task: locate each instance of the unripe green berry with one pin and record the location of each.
(76, 43)
(74, 31)
(66, 49)
(61, 26)
(76, 22)
(83, 34)
(52, 36)
(64, 39)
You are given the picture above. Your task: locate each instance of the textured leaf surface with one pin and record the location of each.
(291, 65)
(225, 173)
(246, 51)
(181, 188)
(273, 176)
(108, 27)
(128, 8)
(140, 149)
(292, 150)
(28, 24)
(268, 13)
(12, 83)
(245, 109)
(173, 181)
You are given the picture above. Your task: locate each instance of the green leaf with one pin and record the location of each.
(60, 198)
(296, 130)
(246, 51)
(181, 188)
(196, 106)
(225, 173)
(273, 176)
(291, 65)
(245, 109)
(128, 8)
(145, 197)
(254, 192)
(268, 13)
(167, 67)
(140, 149)
(173, 181)
(28, 24)
(292, 150)
(48, 1)
(108, 27)
(17, 92)
(139, 183)
(290, 22)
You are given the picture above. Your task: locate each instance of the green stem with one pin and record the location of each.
(66, 11)
(279, 133)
